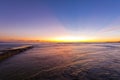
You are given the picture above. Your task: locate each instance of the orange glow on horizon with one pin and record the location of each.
(83, 39)
(63, 39)
(71, 39)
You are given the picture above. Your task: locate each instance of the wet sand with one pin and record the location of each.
(64, 62)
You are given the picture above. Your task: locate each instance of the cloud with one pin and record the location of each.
(111, 29)
(114, 26)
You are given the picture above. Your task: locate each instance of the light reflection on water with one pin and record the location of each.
(64, 62)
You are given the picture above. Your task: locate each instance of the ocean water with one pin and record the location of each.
(4, 46)
(64, 61)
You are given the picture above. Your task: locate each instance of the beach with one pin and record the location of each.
(64, 61)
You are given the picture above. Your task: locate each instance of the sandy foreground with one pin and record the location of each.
(64, 62)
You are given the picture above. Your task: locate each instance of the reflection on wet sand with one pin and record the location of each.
(64, 62)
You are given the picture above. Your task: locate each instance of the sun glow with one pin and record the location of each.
(72, 39)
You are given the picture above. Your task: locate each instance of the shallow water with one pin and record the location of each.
(73, 61)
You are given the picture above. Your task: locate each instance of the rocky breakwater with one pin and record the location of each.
(4, 54)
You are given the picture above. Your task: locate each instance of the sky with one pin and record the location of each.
(63, 20)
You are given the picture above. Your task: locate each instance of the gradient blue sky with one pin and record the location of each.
(47, 19)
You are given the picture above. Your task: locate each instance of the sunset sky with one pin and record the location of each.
(60, 20)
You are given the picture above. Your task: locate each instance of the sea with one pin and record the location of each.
(62, 61)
